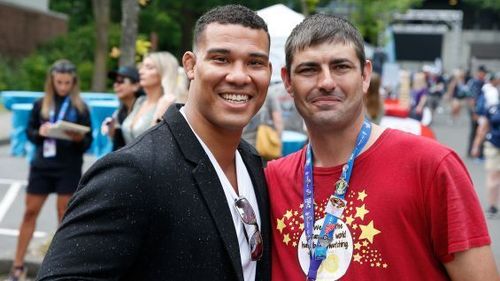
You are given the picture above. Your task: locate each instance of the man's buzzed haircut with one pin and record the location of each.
(320, 28)
(229, 14)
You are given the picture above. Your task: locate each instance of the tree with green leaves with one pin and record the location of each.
(373, 16)
(485, 4)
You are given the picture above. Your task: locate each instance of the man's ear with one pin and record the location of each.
(189, 62)
(285, 76)
(367, 74)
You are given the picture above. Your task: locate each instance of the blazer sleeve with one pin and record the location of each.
(104, 228)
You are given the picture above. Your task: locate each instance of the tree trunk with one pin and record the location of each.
(130, 15)
(101, 9)
(305, 9)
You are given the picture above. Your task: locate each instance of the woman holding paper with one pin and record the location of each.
(57, 163)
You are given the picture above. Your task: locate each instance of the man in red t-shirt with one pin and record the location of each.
(411, 212)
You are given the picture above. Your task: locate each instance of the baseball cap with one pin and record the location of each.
(125, 71)
(482, 68)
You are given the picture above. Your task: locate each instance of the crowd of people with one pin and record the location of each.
(186, 196)
(479, 96)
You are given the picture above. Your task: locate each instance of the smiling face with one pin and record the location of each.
(230, 73)
(328, 84)
(63, 83)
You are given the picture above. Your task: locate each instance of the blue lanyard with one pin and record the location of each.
(340, 190)
(62, 111)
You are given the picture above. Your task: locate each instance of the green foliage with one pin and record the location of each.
(373, 16)
(485, 4)
(79, 12)
(5, 73)
(153, 19)
(77, 46)
(171, 20)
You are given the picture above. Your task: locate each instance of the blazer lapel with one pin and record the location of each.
(208, 184)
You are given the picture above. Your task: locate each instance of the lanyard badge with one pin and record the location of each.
(335, 206)
(49, 144)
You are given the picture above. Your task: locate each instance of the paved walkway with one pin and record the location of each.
(5, 127)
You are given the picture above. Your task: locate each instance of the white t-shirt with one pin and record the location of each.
(245, 188)
(490, 95)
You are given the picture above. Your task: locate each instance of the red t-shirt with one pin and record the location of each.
(411, 205)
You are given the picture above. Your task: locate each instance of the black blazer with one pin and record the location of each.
(155, 210)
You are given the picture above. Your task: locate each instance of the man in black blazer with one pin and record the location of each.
(187, 200)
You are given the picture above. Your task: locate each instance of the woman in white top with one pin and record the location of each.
(156, 71)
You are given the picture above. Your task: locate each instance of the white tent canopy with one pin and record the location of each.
(280, 21)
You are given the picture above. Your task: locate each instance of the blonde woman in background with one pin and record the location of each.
(158, 79)
(373, 101)
(177, 86)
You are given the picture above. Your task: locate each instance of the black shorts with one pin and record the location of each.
(46, 181)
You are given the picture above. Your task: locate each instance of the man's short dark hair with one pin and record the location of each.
(229, 14)
(320, 28)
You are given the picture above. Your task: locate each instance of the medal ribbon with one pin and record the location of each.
(330, 219)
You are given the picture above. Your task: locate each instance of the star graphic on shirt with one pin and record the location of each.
(281, 225)
(357, 246)
(357, 257)
(349, 220)
(288, 214)
(361, 212)
(362, 195)
(286, 239)
(368, 231)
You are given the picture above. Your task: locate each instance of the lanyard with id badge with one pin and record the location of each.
(49, 144)
(335, 206)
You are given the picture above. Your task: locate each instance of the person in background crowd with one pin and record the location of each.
(127, 89)
(187, 200)
(489, 130)
(475, 103)
(458, 92)
(436, 88)
(373, 101)
(269, 114)
(418, 96)
(158, 77)
(57, 164)
(361, 202)
(292, 121)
